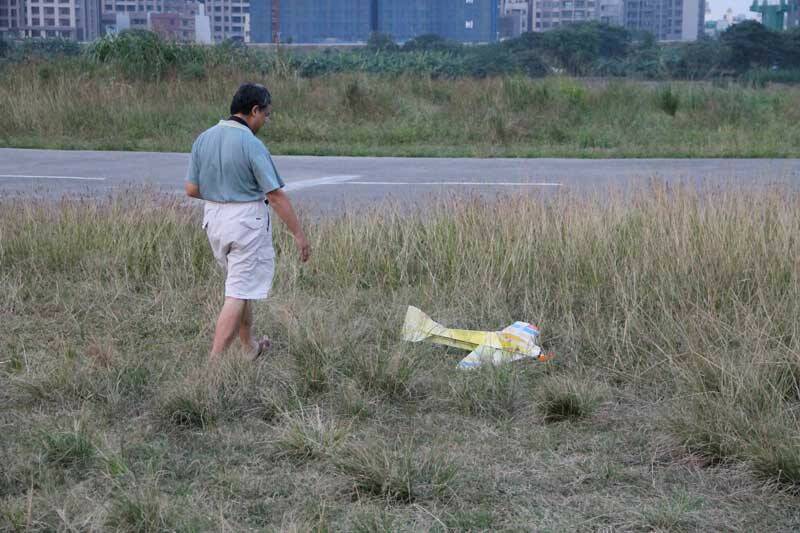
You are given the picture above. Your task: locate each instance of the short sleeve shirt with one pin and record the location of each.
(230, 164)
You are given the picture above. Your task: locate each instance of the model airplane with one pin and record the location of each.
(517, 341)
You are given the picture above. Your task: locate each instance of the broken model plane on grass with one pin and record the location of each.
(517, 341)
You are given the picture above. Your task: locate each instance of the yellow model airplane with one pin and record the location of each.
(517, 341)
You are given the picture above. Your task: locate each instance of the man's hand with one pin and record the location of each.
(280, 203)
(303, 247)
(192, 190)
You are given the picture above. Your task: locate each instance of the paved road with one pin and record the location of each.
(337, 181)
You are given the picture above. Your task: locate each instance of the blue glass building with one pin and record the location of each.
(317, 21)
(467, 21)
(313, 21)
(261, 21)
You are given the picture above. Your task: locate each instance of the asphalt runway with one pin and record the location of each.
(336, 183)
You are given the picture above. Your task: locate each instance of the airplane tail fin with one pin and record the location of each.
(418, 326)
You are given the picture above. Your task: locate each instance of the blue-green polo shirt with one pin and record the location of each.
(230, 164)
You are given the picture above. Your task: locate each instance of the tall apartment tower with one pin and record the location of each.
(70, 19)
(793, 14)
(175, 20)
(230, 19)
(667, 20)
(11, 17)
(549, 14)
(466, 21)
(610, 12)
(516, 17)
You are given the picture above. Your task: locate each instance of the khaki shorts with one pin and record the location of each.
(240, 235)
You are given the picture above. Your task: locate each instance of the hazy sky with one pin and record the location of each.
(718, 7)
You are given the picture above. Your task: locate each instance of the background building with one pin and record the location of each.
(69, 19)
(319, 21)
(516, 17)
(667, 20)
(314, 21)
(230, 19)
(549, 14)
(466, 21)
(610, 12)
(793, 14)
(11, 17)
(176, 20)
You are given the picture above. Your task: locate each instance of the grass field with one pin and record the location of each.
(61, 105)
(672, 404)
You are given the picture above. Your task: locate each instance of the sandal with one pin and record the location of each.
(264, 344)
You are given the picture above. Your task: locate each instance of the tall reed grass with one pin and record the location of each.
(668, 308)
(66, 105)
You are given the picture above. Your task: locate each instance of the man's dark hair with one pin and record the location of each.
(249, 95)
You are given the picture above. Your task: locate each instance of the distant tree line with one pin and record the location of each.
(747, 50)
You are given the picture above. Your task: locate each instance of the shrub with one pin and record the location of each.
(668, 101)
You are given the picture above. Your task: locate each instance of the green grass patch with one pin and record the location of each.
(357, 114)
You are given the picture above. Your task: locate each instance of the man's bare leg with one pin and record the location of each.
(228, 325)
(246, 329)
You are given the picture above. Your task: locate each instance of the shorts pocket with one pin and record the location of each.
(254, 223)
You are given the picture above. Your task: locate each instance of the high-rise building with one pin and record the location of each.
(315, 21)
(467, 21)
(69, 19)
(310, 21)
(11, 17)
(230, 19)
(175, 20)
(609, 12)
(121, 15)
(549, 14)
(667, 20)
(793, 15)
(516, 17)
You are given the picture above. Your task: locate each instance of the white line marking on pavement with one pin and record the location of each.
(479, 183)
(316, 182)
(20, 176)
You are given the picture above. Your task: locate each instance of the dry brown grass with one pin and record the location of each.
(672, 403)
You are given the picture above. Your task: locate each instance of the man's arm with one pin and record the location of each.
(279, 202)
(193, 190)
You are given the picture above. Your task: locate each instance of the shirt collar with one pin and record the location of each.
(234, 124)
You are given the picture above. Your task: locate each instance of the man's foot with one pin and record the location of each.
(264, 344)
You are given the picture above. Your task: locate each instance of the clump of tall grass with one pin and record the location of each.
(67, 448)
(228, 390)
(307, 434)
(399, 472)
(669, 101)
(740, 405)
(142, 509)
(187, 406)
(562, 398)
(489, 391)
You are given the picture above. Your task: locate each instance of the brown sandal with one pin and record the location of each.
(264, 344)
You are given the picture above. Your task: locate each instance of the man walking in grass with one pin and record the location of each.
(232, 171)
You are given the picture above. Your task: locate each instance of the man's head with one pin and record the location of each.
(253, 103)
